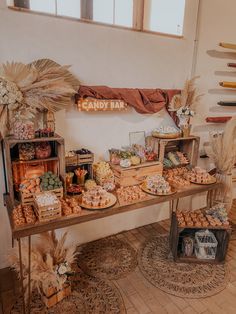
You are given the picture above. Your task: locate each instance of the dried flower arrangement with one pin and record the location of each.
(51, 262)
(28, 88)
(185, 104)
(222, 151)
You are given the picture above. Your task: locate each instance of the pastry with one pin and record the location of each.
(95, 197)
(157, 184)
(130, 194)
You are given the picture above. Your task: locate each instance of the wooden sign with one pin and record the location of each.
(93, 104)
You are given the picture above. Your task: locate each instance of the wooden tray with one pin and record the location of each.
(166, 135)
(145, 189)
(212, 182)
(112, 202)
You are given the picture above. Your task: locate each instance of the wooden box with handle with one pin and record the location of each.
(135, 175)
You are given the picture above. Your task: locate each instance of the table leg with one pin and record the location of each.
(29, 273)
(21, 275)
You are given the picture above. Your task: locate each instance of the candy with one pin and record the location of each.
(23, 130)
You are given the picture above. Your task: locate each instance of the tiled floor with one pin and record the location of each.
(142, 297)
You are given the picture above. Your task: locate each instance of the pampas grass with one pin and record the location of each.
(223, 152)
(46, 255)
(45, 85)
(189, 97)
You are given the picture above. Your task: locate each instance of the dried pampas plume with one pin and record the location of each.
(46, 255)
(189, 96)
(222, 151)
(43, 84)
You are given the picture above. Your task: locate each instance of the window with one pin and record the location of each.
(160, 16)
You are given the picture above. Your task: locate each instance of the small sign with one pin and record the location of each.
(93, 104)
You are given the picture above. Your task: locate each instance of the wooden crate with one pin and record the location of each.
(188, 145)
(28, 199)
(134, 175)
(71, 161)
(48, 212)
(85, 158)
(52, 296)
(221, 233)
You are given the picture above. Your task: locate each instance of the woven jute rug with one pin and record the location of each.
(100, 296)
(187, 280)
(108, 258)
(90, 295)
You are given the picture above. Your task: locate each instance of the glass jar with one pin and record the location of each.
(23, 130)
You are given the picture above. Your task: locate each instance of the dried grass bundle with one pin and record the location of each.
(189, 97)
(223, 152)
(44, 85)
(51, 259)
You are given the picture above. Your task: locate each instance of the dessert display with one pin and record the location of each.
(46, 199)
(96, 198)
(166, 132)
(174, 159)
(43, 150)
(23, 130)
(70, 153)
(47, 206)
(74, 189)
(80, 174)
(156, 185)
(218, 212)
(26, 151)
(103, 173)
(29, 186)
(130, 194)
(83, 151)
(89, 184)
(199, 176)
(125, 163)
(109, 186)
(50, 181)
(46, 132)
(132, 156)
(70, 206)
(135, 160)
(214, 217)
(176, 177)
(22, 215)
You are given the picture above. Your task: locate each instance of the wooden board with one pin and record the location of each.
(227, 45)
(112, 202)
(227, 103)
(145, 189)
(212, 182)
(86, 215)
(135, 175)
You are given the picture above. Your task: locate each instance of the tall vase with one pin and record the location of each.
(225, 193)
(186, 129)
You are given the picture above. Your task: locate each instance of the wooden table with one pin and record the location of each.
(86, 215)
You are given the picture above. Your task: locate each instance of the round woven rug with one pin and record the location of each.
(90, 295)
(71, 305)
(187, 280)
(100, 296)
(108, 258)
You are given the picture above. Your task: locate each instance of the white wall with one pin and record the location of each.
(217, 24)
(100, 55)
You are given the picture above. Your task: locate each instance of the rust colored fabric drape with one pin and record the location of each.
(144, 101)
